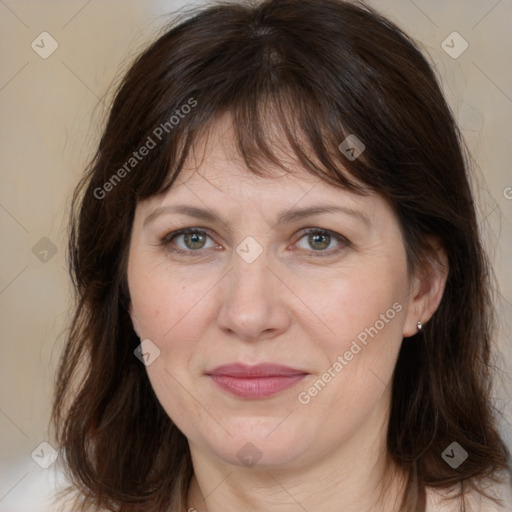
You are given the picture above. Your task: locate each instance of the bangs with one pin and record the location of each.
(282, 127)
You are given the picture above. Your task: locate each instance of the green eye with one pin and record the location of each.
(321, 242)
(192, 241)
(188, 241)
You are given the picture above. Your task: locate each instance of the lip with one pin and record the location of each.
(257, 381)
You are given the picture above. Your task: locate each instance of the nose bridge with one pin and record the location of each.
(251, 303)
(250, 275)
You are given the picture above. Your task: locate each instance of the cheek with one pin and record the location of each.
(355, 303)
(164, 300)
(363, 312)
(172, 316)
(173, 390)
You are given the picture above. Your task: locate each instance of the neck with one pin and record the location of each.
(356, 476)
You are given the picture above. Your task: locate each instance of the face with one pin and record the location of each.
(287, 271)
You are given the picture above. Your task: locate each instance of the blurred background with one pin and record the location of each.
(60, 63)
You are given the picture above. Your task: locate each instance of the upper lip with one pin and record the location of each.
(257, 370)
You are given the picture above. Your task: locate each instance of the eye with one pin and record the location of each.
(192, 240)
(323, 242)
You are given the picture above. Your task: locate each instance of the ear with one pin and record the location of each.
(427, 288)
(134, 319)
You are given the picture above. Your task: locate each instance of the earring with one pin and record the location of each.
(419, 325)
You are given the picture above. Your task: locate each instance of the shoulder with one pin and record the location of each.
(439, 500)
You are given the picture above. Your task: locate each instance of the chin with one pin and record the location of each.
(261, 442)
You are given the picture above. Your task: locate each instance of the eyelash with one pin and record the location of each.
(167, 239)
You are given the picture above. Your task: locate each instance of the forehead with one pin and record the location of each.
(214, 165)
(215, 183)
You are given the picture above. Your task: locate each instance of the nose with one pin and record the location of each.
(254, 304)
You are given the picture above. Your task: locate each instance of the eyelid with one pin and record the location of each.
(183, 231)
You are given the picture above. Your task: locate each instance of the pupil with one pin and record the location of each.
(193, 238)
(314, 238)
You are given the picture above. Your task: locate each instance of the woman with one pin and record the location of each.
(283, 301)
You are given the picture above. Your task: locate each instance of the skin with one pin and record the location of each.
(288, 307)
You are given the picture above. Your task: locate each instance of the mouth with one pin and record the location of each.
(258, 381)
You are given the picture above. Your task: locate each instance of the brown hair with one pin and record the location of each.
(323, 69)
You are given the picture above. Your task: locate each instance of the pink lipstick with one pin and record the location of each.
(258, 381)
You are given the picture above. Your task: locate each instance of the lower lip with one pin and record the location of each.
(256, 387)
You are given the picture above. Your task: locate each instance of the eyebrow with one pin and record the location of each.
(285, 217)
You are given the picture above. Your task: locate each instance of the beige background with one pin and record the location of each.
(52, 110)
